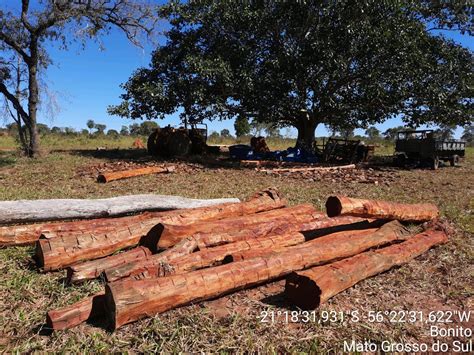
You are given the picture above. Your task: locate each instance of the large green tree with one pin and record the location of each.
(344, 64)
(26, 28)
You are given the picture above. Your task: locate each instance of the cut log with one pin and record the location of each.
(55, 253)
(168, 235)
(22, 211)
(125, 174)
(157, 261)
(309, 168)
(314, 225)
(130, 300)
(232, 252)
(311, 226)
(70, 316)
(257, 252)
(308, 289)
(92, 269)
(341, 205)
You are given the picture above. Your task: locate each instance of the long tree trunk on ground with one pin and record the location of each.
(168, 234)
(308, 289)
(127, 301)
(312, 228)
(306, 128)
(55, 253)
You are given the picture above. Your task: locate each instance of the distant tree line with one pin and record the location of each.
(94, 130)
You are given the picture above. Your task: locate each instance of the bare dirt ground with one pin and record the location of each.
(440, 280)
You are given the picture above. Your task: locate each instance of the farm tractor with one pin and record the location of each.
(171, 142)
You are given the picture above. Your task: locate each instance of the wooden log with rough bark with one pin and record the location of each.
(311, 225)
(23, 211)
(125, 174)
(129, 300)
(56, 253)
(341, 205)
(309, 288)
(87, 309)
(92, 269)
(257, 252)
(314, 224)
(168, 234)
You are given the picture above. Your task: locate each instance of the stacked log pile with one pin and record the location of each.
(158, 261)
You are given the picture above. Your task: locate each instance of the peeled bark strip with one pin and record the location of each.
(341, 205)
(308, 289)
(312, 224)
(92, 269)
(70, 316)
(128, 301)
(118, 175)
(169, 235)
(55, 253)
(50, 210)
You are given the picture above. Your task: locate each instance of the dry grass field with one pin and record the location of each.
(440, 280)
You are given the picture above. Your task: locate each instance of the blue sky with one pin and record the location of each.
(87, 81)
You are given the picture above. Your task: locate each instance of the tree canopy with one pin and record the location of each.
(340, 63)
(26, 27)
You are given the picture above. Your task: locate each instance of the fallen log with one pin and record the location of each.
(129, 300)
(125, 174)
(309, 288)
(341, 205)
(92, 269)
(158, 261)
(55, 253)
(168, 235)
(312, 225)
(70, 316)
(257, 252)
(22, 211)
(309, 168)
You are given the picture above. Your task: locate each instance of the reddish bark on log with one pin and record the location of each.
(324, 225)
(308, 289)
(341, 205)
(169, 235)
(118, 175)
(314, 225)
(257, 252)
(128, 301)
(70, 316)
(94, 268)
(55, 253)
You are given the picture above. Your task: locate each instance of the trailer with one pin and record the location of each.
(422, 146)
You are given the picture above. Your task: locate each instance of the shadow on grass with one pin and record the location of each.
(211, 161)
(7, 159)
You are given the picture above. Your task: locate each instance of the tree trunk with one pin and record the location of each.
(55, 253)
(130, 300)
(118, 175)
(168, 235)
(311, 228)
(310, 288)
(306, 129)
(341, 205)
(33, 98)
(22, 211)
(92, 269)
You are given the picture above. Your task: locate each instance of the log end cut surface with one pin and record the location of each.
(302, 291)
(333, 206)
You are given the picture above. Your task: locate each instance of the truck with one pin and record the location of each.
(422, 146)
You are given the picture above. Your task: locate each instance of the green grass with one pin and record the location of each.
(441, 279)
